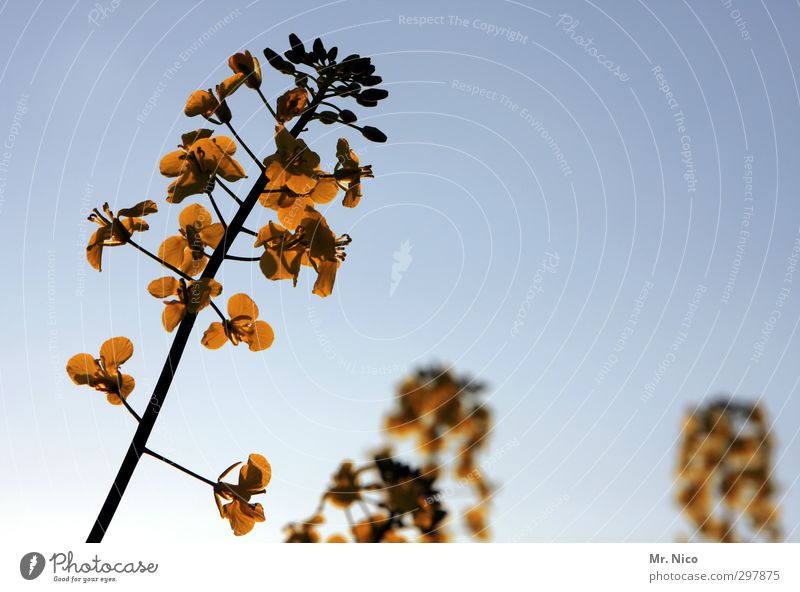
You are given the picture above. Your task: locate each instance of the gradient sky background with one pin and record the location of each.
(472, 183)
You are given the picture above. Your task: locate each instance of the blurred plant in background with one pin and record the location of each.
(387, 500)
(724, 477)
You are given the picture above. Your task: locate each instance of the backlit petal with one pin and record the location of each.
(164, 287)
(173, 314)
(82, 369)
(256, 474)
(241, 305)
(172, 250)
(194, 215)
(214, 337)
(172, 164)
(115, 351)
(212, 234)
(261, 337)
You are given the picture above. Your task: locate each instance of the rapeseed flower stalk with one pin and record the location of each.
(289, 182)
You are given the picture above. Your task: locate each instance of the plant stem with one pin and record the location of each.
(266, 102)
(127, 405)
(228, 190)
(172, 463)
(219, 312)
(139, 442)
(160, 260)
(216, 209)
(237, 258)
(247, 149)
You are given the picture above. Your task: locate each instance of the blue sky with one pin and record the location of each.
(602, 253)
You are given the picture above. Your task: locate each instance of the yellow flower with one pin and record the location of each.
(116, 230)
(186, 250)
(304, 532)
(103, 373)
(293, 166)
(230, 85)
(292, 103)
(345, 489)
(291, 206)
(349, 171)
(201, 102)
(242, 325)
(476, 520)
(325, 251)
(378, 528)
(253, 479)
(313, 244)
(192, 297)
(200, 158)
(283, 252)
(247, 65)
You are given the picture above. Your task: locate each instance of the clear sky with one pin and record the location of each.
(602, 253)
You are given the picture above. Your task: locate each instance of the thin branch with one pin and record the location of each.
(127, 405)
(266, 102)
(216, 209)
(172, 463)
(250, 152)
(216, 308)
(160, 260)
(237, 258)
(227, 189)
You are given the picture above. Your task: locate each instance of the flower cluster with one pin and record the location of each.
(290, 182)
(724, 474)
(443, 412)
(398, 502)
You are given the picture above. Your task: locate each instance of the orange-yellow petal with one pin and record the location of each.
(115, 351)
(241, 305)
(256, 474)
(127, 384)
(173, 314)
(194, 215)
(325, 190)
(242, 516)
(201, 102)
(172, 164)
(212, 234)
(261, 337)
(214, 337)
(172, 250)
(164, 287)
(83, 369)
(326, 276)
